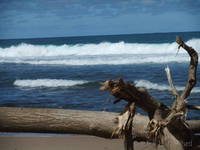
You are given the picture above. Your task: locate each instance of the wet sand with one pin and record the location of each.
(66, 143)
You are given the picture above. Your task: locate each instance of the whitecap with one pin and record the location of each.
(161, 87)
(48, 83)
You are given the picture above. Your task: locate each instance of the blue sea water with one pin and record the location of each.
(66, 72)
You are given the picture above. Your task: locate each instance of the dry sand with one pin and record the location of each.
(66, 143)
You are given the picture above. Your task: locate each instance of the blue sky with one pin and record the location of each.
(55, 18)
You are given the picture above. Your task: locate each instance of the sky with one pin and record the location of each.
(61, 18)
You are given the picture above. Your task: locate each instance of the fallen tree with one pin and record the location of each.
(164, 125)
(96, 123)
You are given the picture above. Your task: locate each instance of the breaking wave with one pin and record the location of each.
(53, 83)
(48, 83)
(95, 54)
(161, 87)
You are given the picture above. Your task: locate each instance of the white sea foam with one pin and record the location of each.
(101, 61)
(95, 54)
(161, 87)
(48, 83)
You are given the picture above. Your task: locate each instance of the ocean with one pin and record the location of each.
(66, 72)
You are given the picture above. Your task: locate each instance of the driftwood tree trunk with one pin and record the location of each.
(96, 123)
(167, 125)
(164, 125)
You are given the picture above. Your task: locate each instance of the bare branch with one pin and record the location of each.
(193, 107)
(169, 78)
(192, 68)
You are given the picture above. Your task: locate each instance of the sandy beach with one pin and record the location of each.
(66, 143)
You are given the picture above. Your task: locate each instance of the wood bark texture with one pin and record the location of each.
(96, 123)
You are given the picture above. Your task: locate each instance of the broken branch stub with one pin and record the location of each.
(126, 91)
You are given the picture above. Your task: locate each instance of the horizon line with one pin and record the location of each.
(96, 35)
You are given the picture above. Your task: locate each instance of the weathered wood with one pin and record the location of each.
(176, 118)
(57, 121)
(38, 120)
(192, 68)
(167, 125)
(169, 78)
(194, 107)
(125, 91)
(97, 123)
